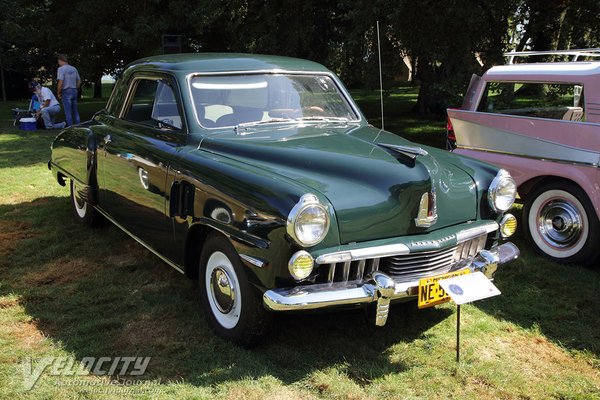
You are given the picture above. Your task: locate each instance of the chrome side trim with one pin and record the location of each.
(140, 241)
(481, 137)
(528, 157)
(254, 261)
(472, 233)
(360, 254)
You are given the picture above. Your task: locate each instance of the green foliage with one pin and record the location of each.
(440, 39)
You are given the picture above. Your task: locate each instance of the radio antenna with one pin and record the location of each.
(380, 76)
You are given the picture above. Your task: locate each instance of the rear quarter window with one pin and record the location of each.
(538, 100)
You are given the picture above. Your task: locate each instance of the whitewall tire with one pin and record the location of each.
(232, 305)
(82, 210)
(561, 223)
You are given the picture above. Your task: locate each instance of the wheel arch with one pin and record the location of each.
(192, 249)
(197, 235)
(530, 185)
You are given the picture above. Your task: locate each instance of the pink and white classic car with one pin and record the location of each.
(541, 122)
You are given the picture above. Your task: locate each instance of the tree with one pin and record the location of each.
(445, 44)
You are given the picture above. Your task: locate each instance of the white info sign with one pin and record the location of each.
(470, 287)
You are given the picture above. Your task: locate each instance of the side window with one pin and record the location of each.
(153, 103)
(538, 100)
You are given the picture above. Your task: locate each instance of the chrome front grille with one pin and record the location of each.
(417, 265)
(407, 266)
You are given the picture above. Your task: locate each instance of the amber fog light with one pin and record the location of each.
(301, 265)
(508, 225)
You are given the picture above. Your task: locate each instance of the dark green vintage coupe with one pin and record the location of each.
(260, 177)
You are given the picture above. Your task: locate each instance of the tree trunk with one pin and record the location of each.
(2, 81)
(98, 87)
(425, 76)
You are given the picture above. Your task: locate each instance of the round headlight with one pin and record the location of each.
(308, 221)
(301, 265)
(502, 191)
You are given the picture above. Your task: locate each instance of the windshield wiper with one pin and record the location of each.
(326, 119)
(245, 125)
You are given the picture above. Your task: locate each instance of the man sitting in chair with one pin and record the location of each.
(49, 106)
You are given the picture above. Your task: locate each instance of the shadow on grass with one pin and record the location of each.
(99, 293)
(96, 292)
(561, 301)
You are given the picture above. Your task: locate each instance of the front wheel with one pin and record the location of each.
(561, 224)
(232, 306)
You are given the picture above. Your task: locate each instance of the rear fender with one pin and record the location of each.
(74, 156)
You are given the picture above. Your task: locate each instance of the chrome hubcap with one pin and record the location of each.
(560, 223)
(222, 289)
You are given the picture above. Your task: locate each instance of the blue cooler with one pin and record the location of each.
(28, 124)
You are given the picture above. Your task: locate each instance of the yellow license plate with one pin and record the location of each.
(430, 291)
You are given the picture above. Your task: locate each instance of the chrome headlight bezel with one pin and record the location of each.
(305, 203)
(502, 182)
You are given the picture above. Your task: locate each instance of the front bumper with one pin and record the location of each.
(377, 288)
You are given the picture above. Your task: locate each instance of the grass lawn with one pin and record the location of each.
(69, 291)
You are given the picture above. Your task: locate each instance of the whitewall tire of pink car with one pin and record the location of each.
(561, 224)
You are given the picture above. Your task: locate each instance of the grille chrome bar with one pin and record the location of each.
(405, 266)
(360, 271)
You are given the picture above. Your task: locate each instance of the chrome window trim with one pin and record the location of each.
(276, 71)
(132, 86)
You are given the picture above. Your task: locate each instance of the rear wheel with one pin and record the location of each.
(561, 223)
(232, 306)
(82, 210)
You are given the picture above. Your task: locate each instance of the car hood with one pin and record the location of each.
(375, 190)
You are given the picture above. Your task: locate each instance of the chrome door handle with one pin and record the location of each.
(107, 139)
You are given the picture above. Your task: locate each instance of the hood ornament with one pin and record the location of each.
(427, 215)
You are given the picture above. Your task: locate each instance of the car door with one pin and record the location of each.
(133, 160)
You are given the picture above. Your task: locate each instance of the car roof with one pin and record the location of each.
(224, 62)
(559, 71)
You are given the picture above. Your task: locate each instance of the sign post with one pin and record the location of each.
(458, 333)
(466, 289)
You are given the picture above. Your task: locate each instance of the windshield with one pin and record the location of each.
(223, 101)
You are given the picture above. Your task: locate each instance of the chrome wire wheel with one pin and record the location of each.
(223, 289)
(558, 223)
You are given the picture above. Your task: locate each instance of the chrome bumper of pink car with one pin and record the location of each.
(377, 288)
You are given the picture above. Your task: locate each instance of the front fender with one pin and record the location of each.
(250, 206)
